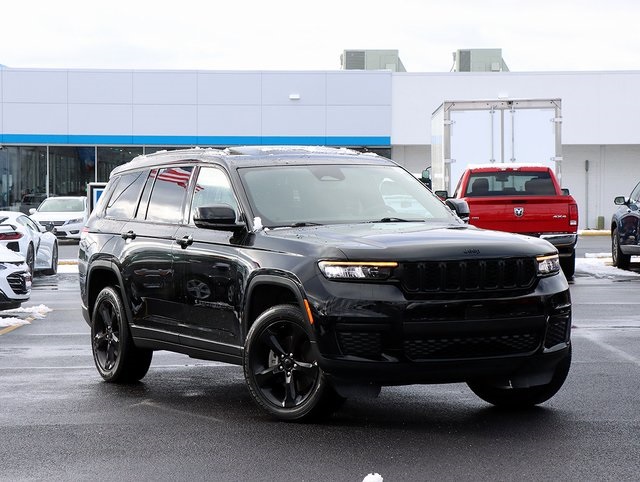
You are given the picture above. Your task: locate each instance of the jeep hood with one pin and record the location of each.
(413, 241)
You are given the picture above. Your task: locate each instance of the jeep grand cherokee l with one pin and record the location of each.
(324, 273)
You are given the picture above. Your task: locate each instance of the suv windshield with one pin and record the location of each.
(327, 194)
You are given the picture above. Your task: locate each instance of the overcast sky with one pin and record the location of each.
(297, 35)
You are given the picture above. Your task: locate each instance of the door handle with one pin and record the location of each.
(185, 241)
(128, 235)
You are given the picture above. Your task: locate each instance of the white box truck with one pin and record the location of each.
(493, 131)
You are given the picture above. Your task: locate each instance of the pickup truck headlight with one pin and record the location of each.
(548, 265)
(346, 270)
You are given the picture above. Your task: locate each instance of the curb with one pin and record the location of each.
(594, 232)
(67, 261)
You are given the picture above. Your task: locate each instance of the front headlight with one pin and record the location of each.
(548, 265)
(74, 221)
(346, 270)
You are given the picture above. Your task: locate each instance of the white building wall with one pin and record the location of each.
(597, 107)
(187, 107)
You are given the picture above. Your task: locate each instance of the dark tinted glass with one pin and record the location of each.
(167, 196)
(123, 202)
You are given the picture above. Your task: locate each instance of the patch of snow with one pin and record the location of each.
(31, 312)
(600, 267)
(373, 478)
(39, 311)
(5, 322)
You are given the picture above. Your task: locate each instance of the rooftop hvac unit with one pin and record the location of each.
(371, 60)
(479, 60)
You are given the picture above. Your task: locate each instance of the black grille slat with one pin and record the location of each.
(468, 275)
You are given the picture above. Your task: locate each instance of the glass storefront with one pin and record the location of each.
(31, 173)
(28, 174)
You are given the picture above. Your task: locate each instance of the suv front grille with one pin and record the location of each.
(467, 276)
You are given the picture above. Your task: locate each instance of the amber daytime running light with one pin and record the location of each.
(357, 270)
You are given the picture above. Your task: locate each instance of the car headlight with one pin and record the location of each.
(74, 221)
(548, 265)
(347, 270)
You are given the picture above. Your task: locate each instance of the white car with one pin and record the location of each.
(67, 214)
(21, 234)
(15, 279)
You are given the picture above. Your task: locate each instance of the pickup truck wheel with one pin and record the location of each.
(619, 259)
(514, 398)
(282, 375)
(117, 359)
(568, 265)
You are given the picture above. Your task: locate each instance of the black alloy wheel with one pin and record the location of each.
(115, 356)
(281, 372)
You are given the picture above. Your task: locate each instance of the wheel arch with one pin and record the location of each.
(102, 274)
(266, 291)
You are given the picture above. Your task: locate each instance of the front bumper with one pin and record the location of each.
(387, 340)
(564, 243)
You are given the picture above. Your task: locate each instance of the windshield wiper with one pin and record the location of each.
(302, 224)
(396, 220)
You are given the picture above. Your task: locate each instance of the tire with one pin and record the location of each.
(620, 260)
(515, 398)
(54, 261)
(114, 353)
(568, 265)
(282, 376)
(30, 259)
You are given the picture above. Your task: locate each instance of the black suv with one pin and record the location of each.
(326, 273)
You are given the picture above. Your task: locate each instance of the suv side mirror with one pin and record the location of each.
(217, 216)
(441, 194)
(620, 200)
(565, 191)
(461, 208)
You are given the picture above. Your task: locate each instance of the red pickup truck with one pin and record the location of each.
(524, 199)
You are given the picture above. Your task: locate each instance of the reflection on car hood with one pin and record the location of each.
(415, 240)
(57, 216)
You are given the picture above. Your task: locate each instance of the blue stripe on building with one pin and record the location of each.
(61, 139)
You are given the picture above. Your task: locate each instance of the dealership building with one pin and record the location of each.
(63, 128)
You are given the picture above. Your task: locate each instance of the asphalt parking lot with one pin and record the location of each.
(191, 419)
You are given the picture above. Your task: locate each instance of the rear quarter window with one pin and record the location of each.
(124, 200)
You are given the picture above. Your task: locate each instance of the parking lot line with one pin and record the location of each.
(6, 330)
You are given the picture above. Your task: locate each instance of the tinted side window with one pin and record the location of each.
(212, 187)
(123, 202)
(167, 196)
